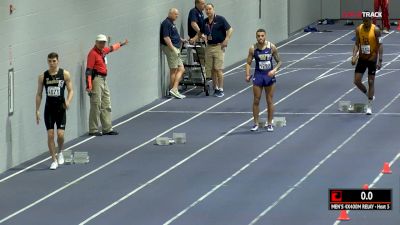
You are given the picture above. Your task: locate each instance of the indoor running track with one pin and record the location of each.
(225, 174)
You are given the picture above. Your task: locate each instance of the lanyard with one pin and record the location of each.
(212, 24)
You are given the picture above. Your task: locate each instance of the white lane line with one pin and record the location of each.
(331, 74)
(200, 150)
(275, 113)
(283, 196)
(331, 53)
(134, 149)
(316, 50)
(348, 44)
(252, 161)
(376, 180)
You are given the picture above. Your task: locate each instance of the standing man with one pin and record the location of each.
(54, 81)
(218, 32)
(264, 76)
(368, 50)
(384, 6)
(97, 88)
(170, 45)
(196, 21)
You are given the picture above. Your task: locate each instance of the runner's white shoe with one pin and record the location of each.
(369, 108)
(270, 128)
(60, 158)
(54, 165)
(254, 127)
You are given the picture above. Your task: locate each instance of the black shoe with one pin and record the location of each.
(113, 132)
(95, 134)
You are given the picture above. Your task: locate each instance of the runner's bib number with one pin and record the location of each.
(53, 91)
(264, 65)
(366, 49)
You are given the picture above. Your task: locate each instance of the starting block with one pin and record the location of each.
(81, 157)
(359, 108)
(179, 138)
(163, 141)
(279, 122)
(347, 106)
(344, 106)
(68, 157)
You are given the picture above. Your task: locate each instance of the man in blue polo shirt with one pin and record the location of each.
(196, 20)
(218, 33)
(170, 44)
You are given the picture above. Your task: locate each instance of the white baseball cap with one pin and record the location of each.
(101, 37)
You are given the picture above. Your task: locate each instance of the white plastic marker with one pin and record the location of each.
(198, 151)
(130, 151)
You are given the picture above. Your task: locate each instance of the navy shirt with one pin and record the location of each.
(217, 29)
(197, 16)
(168, 29)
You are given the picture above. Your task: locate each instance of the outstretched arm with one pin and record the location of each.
(118, 45)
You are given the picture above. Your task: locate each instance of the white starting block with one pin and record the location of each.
(68, 157)
(347, 106)
(359, 108)
(164, 141)
(344, 106)
(179, 138)
(81, 157)
(279, 122)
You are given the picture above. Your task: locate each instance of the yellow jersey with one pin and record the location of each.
(368, 43)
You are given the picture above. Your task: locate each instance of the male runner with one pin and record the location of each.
(54, 81)
(264, 75)
(368, 51)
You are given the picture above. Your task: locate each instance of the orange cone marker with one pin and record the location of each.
(343, 215)
(386, 168)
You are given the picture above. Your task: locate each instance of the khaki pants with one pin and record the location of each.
(173, 57)
(214, 58)
(100, 106)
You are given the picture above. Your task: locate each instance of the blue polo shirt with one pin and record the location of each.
(195, 15)
(217, 29)
(168, 29)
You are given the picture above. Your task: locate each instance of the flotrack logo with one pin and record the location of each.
(361, 14)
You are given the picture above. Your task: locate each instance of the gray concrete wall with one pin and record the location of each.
(331, 9)
(302, 13)
(69, 28)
